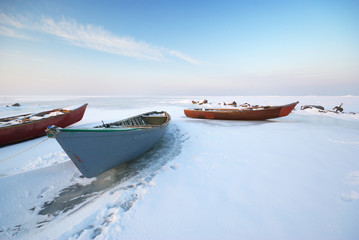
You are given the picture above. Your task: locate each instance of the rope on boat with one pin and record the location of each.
(52, 131)
(23, 150)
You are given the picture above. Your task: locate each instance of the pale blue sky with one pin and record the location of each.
(179, 47)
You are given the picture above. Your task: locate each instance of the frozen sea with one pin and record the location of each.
(295, 177)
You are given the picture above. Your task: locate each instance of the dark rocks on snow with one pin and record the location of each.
(200, 102)
(338, 108)
(14, 105)
(312, 106)
(233, 103)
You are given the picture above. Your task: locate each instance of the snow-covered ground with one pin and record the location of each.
(295, 177)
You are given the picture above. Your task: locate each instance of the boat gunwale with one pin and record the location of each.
(99, 128)
(231, 110)
(143, 114)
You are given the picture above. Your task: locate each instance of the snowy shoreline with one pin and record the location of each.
(288, 178)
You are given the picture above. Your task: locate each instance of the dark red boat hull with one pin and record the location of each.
(244, 114)
(28, 130)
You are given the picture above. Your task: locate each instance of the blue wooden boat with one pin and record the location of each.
(101, 148)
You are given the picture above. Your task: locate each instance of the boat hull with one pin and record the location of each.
(97, 152)
(25, 131)
(241, 114)
(101, 148)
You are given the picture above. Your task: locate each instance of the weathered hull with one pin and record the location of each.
(97, 152)
(101, 148)
(242, 114)
(28, 130)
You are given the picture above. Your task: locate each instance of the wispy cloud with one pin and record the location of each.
(97, 38)
(9, 32)
(11, 27)
(90, 36)
(11, 21)
(184, 57)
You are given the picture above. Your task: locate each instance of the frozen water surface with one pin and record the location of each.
(288, 178)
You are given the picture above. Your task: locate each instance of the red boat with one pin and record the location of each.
(249, 113)
(23, 127)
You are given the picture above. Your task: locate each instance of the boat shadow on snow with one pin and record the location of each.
(230, 123)
(130, 175)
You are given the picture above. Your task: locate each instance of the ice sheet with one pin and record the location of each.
(288, 178)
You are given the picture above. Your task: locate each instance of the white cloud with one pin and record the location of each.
(90, 36)
(11, 21)
(184, 57)
(13, 33)
(10, 27)
(97, 38)
(6, 31)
